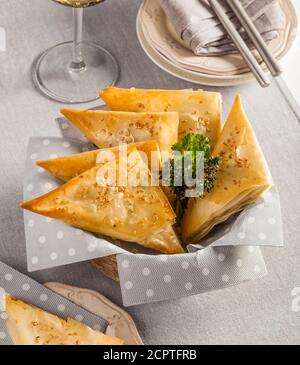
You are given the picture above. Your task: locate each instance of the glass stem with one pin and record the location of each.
(77, 64)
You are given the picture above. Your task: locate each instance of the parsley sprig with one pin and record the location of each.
(192, 143)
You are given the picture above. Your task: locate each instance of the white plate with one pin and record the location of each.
(216, 64)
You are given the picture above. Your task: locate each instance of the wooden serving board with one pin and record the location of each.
(120, 322)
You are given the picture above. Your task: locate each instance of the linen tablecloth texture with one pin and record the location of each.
(258, 312)
(196, 23)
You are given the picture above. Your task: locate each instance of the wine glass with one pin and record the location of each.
(74, 71)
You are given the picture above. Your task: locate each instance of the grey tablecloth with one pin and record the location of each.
(256, 312)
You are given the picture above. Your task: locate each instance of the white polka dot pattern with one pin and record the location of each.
(128, 285)
(188, 286)
(8, 277)
(221, 257)
(241, 235)
(34, 260)
(210, 268)
(125, 264)
(42, 239)
(66, 144)
(29, 187)
(146, 271)
(257, 268)
(272, 220)
(43, 297)
(262, 236)
(71, 252)
(48, 186)
(21, 286)
(185, 265)
(26, 287)
(60, 235)
(256, 225)
(61, 307)
(150, 292)
(167, 278)
(53, 256)
(205, 271)
(79, 317)
(239, 263)
(92, 247)
(225, 278)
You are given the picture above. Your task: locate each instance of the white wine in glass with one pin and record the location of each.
(75, 71)
(79, 3)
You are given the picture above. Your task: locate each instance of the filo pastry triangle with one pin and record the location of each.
(109, 129)
(199, 111)
(29, 325)
(133, 211)
(242, 178)
(67, 167)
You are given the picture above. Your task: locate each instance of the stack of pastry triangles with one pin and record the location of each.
(199, 111)
(243, 175)
(242, 178)
(151, 121)
(133, 211)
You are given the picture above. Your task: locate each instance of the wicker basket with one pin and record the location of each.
(108, 266)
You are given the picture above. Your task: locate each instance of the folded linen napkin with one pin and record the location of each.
(196, 23)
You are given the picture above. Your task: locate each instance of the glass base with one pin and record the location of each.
(55, 78)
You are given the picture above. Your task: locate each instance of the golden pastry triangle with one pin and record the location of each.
(29, 325)
(242, 178)
(200, 112)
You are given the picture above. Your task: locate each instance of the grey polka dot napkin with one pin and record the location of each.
(50, 242)
(147, 278)
(259, 224)
(229, 256)
(22, 287)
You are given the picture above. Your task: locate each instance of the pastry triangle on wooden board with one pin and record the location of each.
(67, 167)
(242, 178)
(200, 112)
(131, 212)
(109, 128)
(29, 325)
